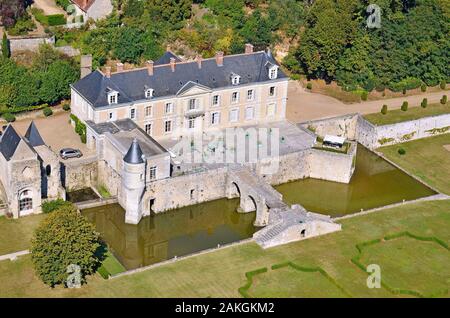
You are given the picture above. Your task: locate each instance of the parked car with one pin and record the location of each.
(67, 153)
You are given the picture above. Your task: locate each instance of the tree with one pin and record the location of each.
(55, 83)
(5, 46)
(128, 46)
(12, 10)
(256, 30)
(64, 238)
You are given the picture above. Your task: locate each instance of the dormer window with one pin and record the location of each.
(235, 79)
(149, 93)
(113, 97)
(273, 72)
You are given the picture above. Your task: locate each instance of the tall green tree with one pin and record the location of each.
(63, 239)
(5, 46)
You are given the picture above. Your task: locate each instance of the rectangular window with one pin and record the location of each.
(215, 118)
(113, 98)
(148, 129)
(133, 113)
(234, 97)
(192, 104)
(148, 111)
(234, 115)
(250, 94)
(168, 108)
(215, 100)
(272, 91)
(153, 172)
(168, 126)
(191, 123)
(110, 116)
(249, 113)
(271, 109)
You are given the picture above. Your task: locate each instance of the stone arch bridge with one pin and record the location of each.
(255, 194)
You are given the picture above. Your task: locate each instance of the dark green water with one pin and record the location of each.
(81, 195)
(375, 183)
(175, 233)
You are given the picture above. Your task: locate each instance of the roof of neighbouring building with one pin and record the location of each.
(131, 84)
(134, 154)
(33, 136)
(83, 4)
(165, 59)
(9, 142)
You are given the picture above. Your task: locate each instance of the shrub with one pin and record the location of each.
(56, 19)
(364, 95)
(309, 85)
(80, 128)
(424, 103)
(404, 91)
(9, 117)
(444, 100)
(50, 206)
(47, 111)
(442, 85)
(64, 238)
(401, 151)
(404, 106)
(66, 106)
(5, 46)
(384, 109)
(423, 87)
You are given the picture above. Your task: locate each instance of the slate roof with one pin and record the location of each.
(9, 142)
(131, 85)
(33, 137)
(83, 5)
(134, 154)
(165, 59)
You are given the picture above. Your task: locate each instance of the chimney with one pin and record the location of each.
(219, 58)
(149, 64)
(172, 64)
(85, 65)
(108, 71)
(199, 61)
(119, 67)
(248, 48)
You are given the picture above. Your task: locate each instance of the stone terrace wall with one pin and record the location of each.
(175, 192)
(29, 44)
(332, 166)
(80, 174)
(373, 136)
(343, 126)
(291, 167)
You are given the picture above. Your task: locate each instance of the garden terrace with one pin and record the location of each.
(398, 115)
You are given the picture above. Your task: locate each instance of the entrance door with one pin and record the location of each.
(25, 202)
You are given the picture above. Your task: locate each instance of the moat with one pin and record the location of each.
(183, 231)
(375, 183)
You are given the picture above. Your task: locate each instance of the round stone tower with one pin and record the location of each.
(133, 183)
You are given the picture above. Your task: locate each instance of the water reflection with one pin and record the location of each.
(375, 183)
(176, 233)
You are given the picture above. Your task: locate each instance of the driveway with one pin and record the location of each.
(56, 132)
(49, 7)
(303, 105)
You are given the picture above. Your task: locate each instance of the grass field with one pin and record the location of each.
(427, 158)
(397, 115)
(221, 273)
(16, 234)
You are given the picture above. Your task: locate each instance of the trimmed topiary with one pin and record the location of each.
(384, 109)
(66, 107)
(309, 86)
(444, 100)
(404, 106)
(442, 85)
(424, 103)
(401, 151)
(364, 95)
(47, 111)
(423, 87)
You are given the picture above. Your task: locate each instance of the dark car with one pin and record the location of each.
(67, 153)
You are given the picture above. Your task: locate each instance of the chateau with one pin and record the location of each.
(169, 98)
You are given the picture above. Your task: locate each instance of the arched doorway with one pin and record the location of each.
(25, 202)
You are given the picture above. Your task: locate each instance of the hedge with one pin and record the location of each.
(56, 19)
(80, 128)
(50, 206)
(249, 275)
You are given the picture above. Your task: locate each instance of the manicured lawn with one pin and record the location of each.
(221, 273)
(111, 264)
(16, 234)
(397, 115)
(426, 158)
(410, 264)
